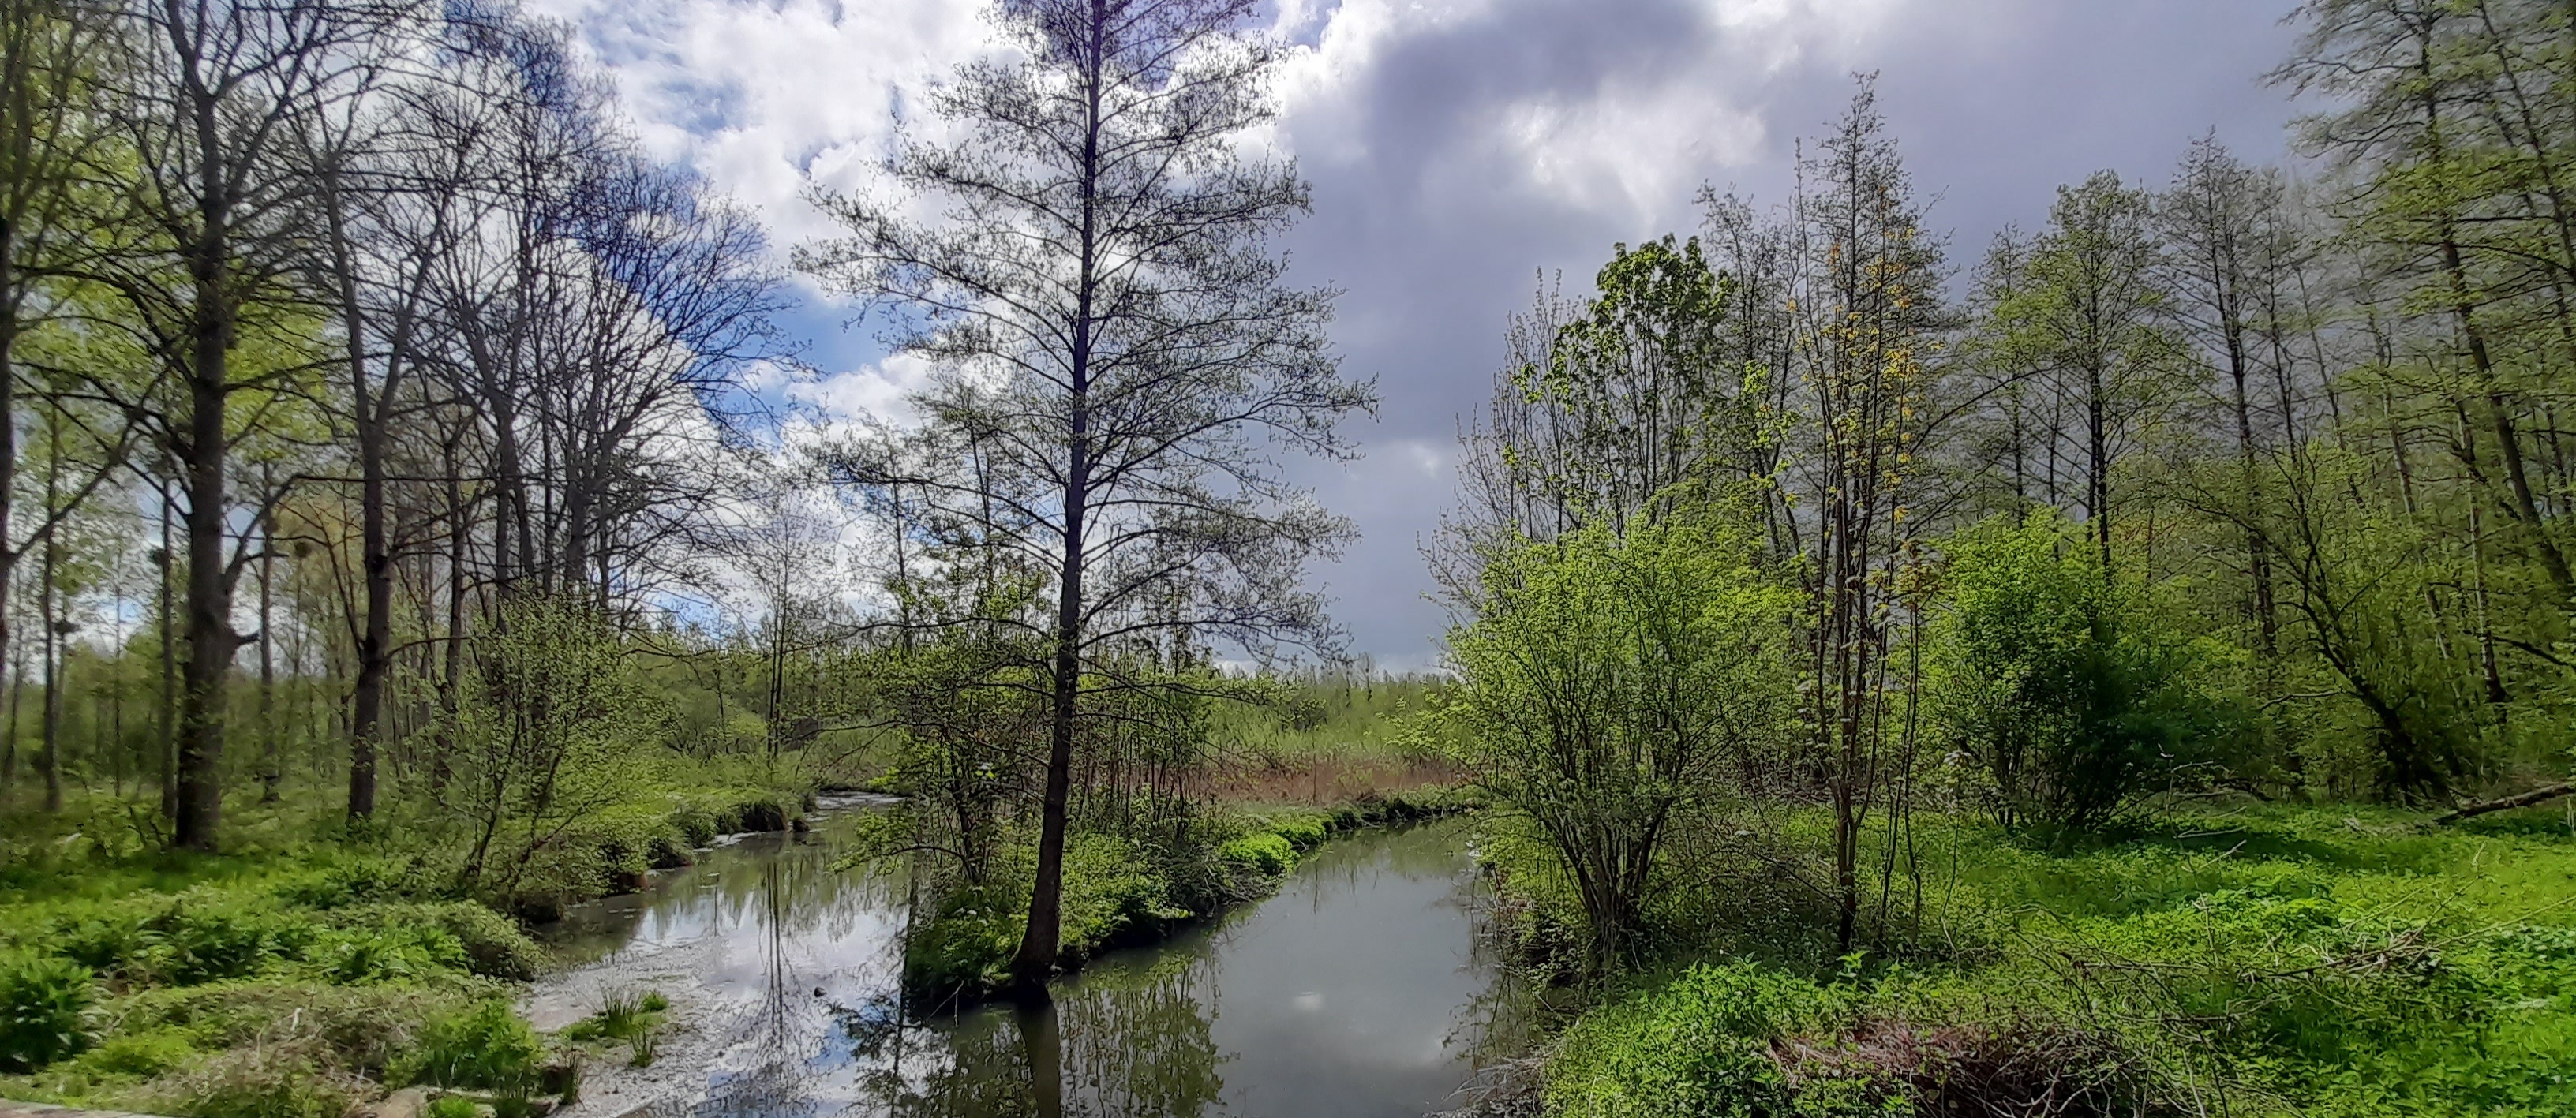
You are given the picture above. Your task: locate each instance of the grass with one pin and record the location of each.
(2269, 961)
(623, 1015)
(310, 967)
(1326, 740)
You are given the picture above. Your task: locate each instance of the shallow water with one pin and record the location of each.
(1360, 989)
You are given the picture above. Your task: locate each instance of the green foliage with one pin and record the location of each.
(2274, 963)
(493, 945)
(1701, 1045)
(1604, 682)
(1267, 854)
(2046, 675)
(487, 1047)
(44, 1007)
(141, 1055)
(451, 1106)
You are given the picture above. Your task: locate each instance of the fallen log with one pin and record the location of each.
(2539, 795)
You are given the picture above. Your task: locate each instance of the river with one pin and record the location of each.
(1361, 989)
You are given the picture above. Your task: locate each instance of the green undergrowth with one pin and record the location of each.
(2269, 962)
(1118, 892)
(311, 967)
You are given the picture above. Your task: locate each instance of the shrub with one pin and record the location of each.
(2048, 675)
(206, 938)
(452, 1106)
(44, 1006)
(1266, 853)
(487, 1047)
(352, 881)
(1701, 1045)
(1304, 832)
(142, 1054)
(493, 944)
(110, 941)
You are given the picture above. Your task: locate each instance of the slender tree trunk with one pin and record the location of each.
(452, 676)
(50, 762)
(9, 552)
(1040, 943)
(9, 755)
(167, 745)
(2097, 465)
(270, 764)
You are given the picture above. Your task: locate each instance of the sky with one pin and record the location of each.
(1458, 150)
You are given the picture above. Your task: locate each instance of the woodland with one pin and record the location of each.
(2122, 668)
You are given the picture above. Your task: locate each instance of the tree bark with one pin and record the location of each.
(1039, 945)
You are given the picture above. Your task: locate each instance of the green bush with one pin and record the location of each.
(452, 1106)
(1267, 853)
(486, 1047)
(44, 1006)
(1701, 1045)
(2048, 675)
(357, 880)
(110, 941)
(493, 944)
(142, 1054)
(1304, 832)
(207, 937)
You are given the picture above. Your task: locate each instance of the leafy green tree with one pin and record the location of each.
(1604, 683)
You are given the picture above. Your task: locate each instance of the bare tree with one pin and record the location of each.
(1117, 348)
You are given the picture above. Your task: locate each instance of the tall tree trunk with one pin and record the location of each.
(2097, 465)
(270, 763)
(1040, 943)
(50, 762)
(211, 639)
(9, 552)
(166, 743)
(9, 753)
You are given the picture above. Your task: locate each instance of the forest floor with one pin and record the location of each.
(2266, 960)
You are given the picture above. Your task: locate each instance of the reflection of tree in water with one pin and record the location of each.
(1131, 1037)
(1133, 1044)
(782, 1047)
(1499, 1022)
(724, 892)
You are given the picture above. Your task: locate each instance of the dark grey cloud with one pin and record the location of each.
(1437, 231)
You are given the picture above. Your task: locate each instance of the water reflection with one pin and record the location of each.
(1362, 988)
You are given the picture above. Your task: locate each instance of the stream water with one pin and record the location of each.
(1360, 989)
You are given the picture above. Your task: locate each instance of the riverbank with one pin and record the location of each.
(2271, 960)
(959, 955)
(310, 969)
